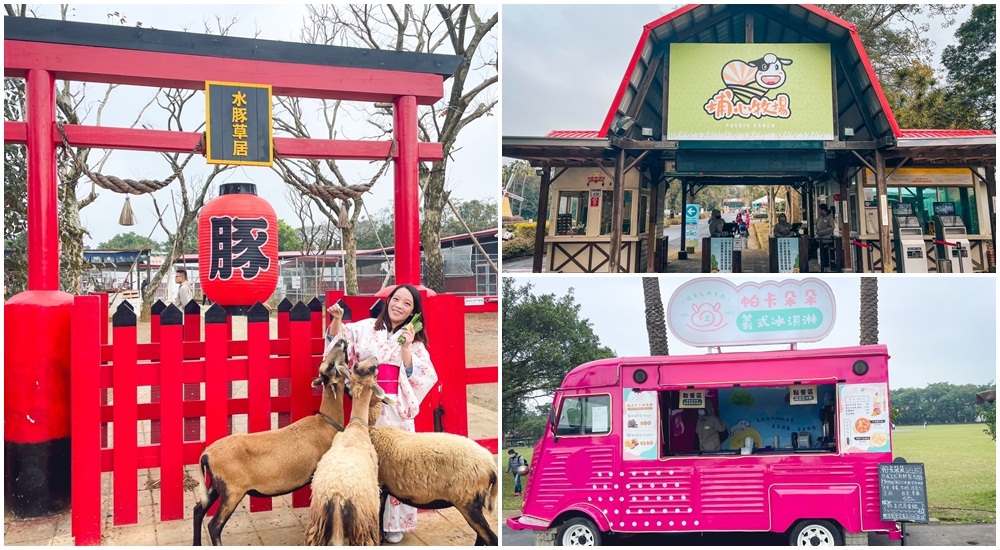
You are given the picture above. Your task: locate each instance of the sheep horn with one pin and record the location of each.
(342, 370)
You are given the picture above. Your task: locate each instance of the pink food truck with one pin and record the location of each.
(780, 441)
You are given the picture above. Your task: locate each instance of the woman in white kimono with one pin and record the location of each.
(407, 385)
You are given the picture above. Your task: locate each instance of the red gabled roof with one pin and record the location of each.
(943, 133)
(850, 28)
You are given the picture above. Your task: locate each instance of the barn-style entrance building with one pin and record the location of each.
(754, 95)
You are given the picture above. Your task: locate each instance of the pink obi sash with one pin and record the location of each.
(388, 378)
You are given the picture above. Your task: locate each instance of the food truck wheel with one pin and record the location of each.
(816, 532)
(578, 532)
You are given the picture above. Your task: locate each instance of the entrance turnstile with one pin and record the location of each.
(908, 238)
(952, 239)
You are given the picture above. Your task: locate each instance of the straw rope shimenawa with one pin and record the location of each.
(329, 193)
(127, 186)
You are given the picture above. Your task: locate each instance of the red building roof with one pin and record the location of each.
(574, 134)
(943, 133)
(862, 101)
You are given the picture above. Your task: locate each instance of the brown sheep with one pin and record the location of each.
(274, 462)
(345, 490)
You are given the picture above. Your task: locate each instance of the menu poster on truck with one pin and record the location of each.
(864, 418)
(639, 425)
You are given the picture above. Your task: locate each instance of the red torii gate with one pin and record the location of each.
(36, 379)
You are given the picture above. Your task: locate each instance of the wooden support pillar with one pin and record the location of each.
(682, 253)
(542, 216)
(847, 260)
(991, 195)
(883, 212)
(655, 217)
(614, 255)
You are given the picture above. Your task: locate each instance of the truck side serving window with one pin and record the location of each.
(585, 415)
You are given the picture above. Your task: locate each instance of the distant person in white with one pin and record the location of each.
(185, 292)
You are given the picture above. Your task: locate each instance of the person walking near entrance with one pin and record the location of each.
(185, 292)
(716, 223)
(514, 463)
(824, 236)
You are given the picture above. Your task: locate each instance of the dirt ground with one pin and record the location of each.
(481, 350)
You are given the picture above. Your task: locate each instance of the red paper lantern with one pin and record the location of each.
(238, 247)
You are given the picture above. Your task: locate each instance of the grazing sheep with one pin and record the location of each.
(437, 470)
(274, 462)
(345, 490)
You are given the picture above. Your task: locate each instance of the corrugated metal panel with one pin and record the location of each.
(943, 133)
(574, 134)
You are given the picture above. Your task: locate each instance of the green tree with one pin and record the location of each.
(477, 214)
(130, 241)
(375, 231)
(288, 238)
(894, 34)
(989, 414)
(543, 339)
(919, 102)
(972, 63)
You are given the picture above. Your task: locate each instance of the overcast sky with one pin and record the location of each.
(562, 64)
(937, 329)
(472, 174)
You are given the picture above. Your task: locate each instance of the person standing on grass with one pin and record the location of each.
(513, 464)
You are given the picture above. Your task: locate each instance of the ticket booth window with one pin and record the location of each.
(573, 207)
(606, 213)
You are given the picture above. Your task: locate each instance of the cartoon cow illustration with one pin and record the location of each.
(750, 79)
(770, 70)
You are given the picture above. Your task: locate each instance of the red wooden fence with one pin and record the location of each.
(177, 360)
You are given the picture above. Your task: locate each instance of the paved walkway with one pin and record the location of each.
(282, 526)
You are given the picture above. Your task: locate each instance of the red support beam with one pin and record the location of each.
(406, 192)
(190, 72)
(139, 139)
(43, 216)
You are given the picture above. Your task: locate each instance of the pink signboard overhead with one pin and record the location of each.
(708, 312)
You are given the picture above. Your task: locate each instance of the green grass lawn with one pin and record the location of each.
(959, 462)
(960, 465)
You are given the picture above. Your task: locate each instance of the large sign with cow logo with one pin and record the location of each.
(725, 92)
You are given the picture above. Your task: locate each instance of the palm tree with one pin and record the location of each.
(869, 311)
(655, 327)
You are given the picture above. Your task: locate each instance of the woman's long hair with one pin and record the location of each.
(383, 322)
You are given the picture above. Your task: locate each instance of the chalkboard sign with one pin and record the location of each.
(902, 491)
